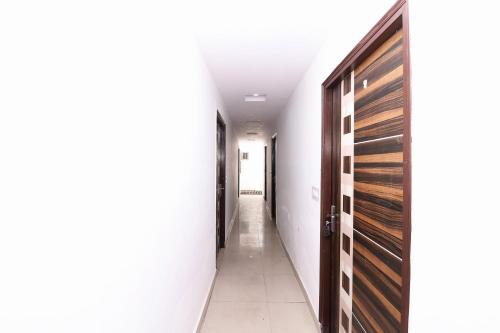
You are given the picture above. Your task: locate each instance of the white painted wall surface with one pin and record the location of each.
(107, 169)
(455, 237)
(299, 145)
(252, 169)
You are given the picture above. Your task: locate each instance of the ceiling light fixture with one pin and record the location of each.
(255, 98)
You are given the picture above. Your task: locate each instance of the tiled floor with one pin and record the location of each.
(256, 290)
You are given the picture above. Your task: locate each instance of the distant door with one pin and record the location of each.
(265, 173)
(273, 177)
(220, 184)
(239, 171)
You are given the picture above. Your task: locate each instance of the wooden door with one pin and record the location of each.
(365, 263)
(372, 193)
(265, 173)
(273, 177)
(379, 189)
(220, 183)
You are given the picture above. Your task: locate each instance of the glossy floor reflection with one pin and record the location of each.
(256, 289)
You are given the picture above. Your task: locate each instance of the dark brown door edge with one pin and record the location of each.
(265, 173)
(396, 18)
(220, 183)
(273, 177)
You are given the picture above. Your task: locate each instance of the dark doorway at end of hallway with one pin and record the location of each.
(273, 177)
(220, 209)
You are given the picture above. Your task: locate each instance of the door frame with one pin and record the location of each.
(265, 173)
(274, 150)
(222, 225)
(239, 170)
(396, 18)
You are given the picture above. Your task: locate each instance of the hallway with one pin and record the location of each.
(256, 289)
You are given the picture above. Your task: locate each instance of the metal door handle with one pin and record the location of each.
(330, 223)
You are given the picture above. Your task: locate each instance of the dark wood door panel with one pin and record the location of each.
(374, 119)
(376, 287)
(378, 92)
(356, 325)
(378, 192)
(379, 189)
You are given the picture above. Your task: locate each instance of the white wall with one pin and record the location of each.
(455, 247)
(107, 169)
(252, 169)
(299, 147)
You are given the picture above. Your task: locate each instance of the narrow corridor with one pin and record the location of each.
(256, 289)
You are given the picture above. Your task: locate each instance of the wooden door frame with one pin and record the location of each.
(274, 210)
(222, 226)
(265, 173)
(239, 170)
(396, 18)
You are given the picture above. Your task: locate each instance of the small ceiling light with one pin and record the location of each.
(255, 98)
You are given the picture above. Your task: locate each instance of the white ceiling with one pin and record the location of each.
(259, 47)
(265, 47)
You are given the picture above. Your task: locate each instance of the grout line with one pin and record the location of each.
(264, 275)
(267, 302)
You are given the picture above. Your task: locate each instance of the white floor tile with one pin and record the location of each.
(256, 289)
(232, 317)
(283, 288)
(291, 318)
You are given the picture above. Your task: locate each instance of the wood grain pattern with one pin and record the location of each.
(378, 108)
(378, 192)
(356, 326)
(378, 189)
(376, 287)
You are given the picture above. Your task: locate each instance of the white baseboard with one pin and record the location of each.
(308, 301)
(268, 210)
(231, 222)
(209, 296)
(205, 308)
